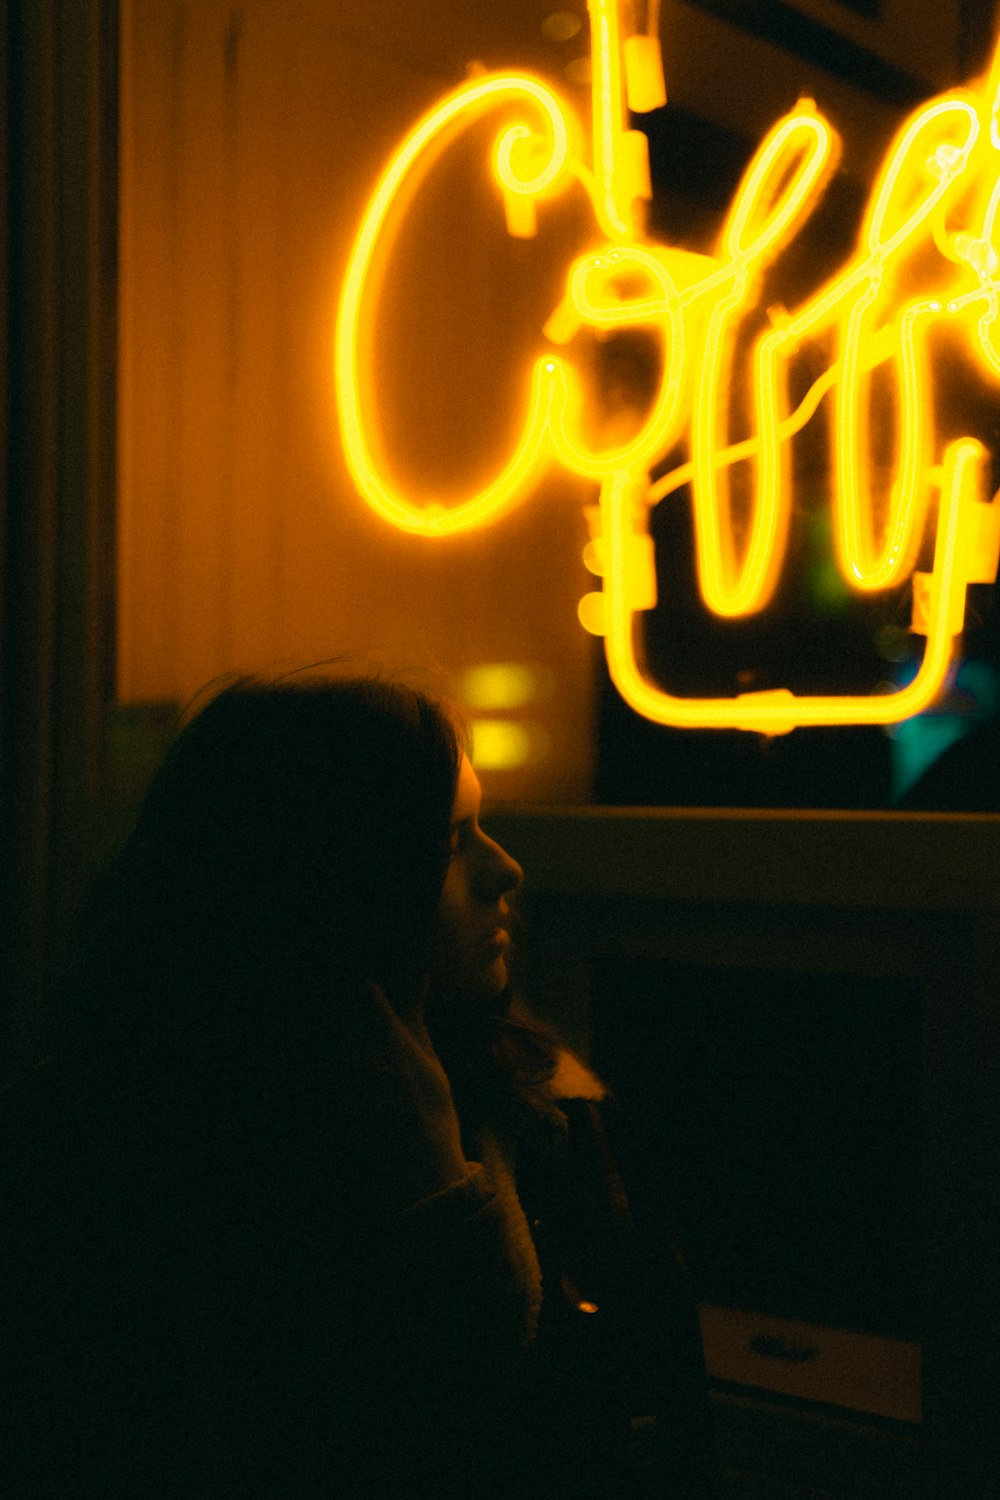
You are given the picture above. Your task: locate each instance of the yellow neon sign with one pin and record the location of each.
(936, 201)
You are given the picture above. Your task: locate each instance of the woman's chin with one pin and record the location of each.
(495, 979)
(483, 989)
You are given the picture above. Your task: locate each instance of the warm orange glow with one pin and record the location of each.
(944, 163)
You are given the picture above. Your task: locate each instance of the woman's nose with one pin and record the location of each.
(503, 873)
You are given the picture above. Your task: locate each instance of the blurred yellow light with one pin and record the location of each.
(500, 745)
(593, 613)
(499, 685)
(560, 26)
(931, 223)
(579, 72)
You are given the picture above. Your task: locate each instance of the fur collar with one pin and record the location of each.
(572, 1079)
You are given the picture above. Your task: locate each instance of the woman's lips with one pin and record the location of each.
(498, 941)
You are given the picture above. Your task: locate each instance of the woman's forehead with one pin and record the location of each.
(468, 792)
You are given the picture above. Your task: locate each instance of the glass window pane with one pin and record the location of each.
(251, 140)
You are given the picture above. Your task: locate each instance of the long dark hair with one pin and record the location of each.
(186, 1180)
(291, 848)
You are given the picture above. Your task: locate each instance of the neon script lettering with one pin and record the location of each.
(937, 198)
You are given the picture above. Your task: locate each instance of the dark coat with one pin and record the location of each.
(288, 1351)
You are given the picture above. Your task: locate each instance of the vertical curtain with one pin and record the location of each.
(57, 536)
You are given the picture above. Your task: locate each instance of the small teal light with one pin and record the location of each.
(918, 742)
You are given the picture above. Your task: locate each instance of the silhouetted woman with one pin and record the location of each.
(264, 1236)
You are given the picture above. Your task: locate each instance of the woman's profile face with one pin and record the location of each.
(469, 955)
